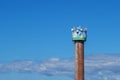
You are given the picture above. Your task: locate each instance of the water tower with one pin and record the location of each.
(79, 36)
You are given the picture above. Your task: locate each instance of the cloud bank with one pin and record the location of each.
(97, 67)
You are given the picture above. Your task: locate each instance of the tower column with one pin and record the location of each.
(79, 36)
(79, 60)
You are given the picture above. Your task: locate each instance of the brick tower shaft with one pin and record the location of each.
(79, 60)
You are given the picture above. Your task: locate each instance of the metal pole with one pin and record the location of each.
(79, 60)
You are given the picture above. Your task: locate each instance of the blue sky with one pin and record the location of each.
(97, 67)
(41, 29)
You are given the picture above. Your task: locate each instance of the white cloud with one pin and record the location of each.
(97, 67)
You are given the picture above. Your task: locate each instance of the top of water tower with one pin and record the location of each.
(79, 34)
